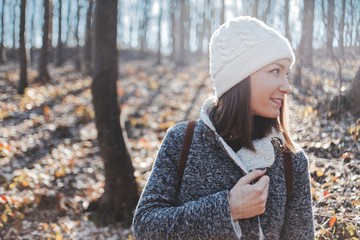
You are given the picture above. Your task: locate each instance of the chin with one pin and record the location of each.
(274, 115)
(269, 115)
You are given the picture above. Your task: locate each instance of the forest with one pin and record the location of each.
(88, 89)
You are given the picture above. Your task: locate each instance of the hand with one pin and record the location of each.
(248, 200)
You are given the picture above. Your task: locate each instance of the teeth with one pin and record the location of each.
(276, 100)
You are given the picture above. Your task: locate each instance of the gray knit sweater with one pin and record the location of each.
(201, 211)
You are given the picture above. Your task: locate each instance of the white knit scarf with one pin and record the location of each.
(246, 159)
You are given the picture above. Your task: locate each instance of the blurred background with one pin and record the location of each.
(129, 70)
(175, 28)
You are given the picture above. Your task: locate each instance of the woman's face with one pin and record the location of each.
(268, 87)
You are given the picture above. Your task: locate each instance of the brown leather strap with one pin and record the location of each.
(288, 169)
(185, 150)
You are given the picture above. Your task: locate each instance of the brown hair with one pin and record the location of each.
(234, 122)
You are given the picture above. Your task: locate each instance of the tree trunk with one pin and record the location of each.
(353, 97)
(330, 27)
(121, 193)
(88, 61)
(222, 16)
(256, 9)
(210, 27)
(144, 26)
(187, 26)
(350, 24)
(32, 34)
(287, 23)
(180, 56)
(200, 29)
(14, 27)
(69, 22)
(298, 75)
(2, 49)
(306, 47)
(158, 61)
(44, 52)
(266, 12)
(77, 63)
(207, 23)
(341, 28)
(357, 37)
(59, 56)
(22, 50)
(174, 26)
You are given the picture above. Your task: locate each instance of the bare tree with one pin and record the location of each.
(22, 50)
(174, 26)
(181, 52)
(205, 13)
(287, 23)
(305, 51)
(133, 19)
(350, 23)
(59, 50)
(121, 193)
(14, 25)
(69, 22)
(88, 56)
(144, 25)
(46, 44)
(32, 33)
(77, 63)
(210, 26)
(341, 27)
(266, 13)
(353, 97)
(222, 16)
(2, 48)
(329, 26)
(158, 61)
(187, 26)
(256, 9)
(357, 38)
(200, 27)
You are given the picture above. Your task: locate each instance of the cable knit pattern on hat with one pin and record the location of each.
(242, 46)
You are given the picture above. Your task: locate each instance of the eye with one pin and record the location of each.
(276, 70)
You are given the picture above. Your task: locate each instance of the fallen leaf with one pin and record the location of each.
(332, 221)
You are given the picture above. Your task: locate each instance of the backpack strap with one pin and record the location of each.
(288, 171)
(185, 150)
(288, 168)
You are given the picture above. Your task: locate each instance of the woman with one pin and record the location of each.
(234, 185)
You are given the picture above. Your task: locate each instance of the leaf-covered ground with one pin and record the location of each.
(50, 169)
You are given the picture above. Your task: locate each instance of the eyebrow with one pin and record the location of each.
(281, 66)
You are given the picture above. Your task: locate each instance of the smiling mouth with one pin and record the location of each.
(276, 100)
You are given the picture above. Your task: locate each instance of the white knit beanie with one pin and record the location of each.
(242, 46)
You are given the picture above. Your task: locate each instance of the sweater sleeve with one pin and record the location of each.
(158, 216)
(299, 223)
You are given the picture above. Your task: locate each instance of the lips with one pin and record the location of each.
(276, 100)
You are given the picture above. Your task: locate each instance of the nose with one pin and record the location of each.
(285, 86)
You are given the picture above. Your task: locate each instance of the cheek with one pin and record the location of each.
(259, 91)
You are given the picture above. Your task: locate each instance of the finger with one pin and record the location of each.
(262, 185)
(264, 180)
(248, 178)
